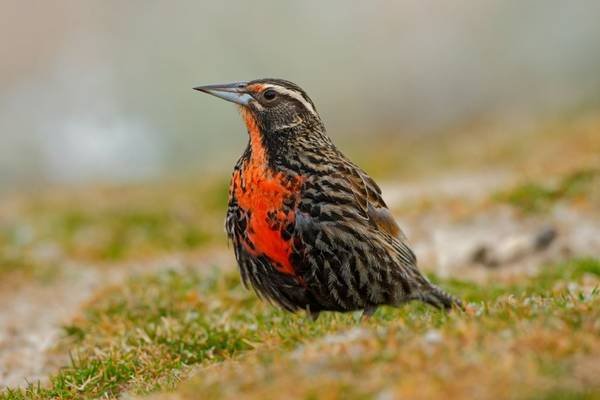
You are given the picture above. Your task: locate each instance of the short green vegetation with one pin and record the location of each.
(537, 197)
(144, 336)
(110, 225)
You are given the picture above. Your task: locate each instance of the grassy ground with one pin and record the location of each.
(114, 223)
(526, 339)
(181, 333)
(577, 186)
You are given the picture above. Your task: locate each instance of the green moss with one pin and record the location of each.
(537, 197)
(122, 233)
(140, 334)
(569, 270)
(567, 394)
(144, 336)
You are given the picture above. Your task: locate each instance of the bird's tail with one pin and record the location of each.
(438, 298)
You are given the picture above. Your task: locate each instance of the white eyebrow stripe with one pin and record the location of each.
(293, 94)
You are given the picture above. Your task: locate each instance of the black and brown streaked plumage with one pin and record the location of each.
(310, 229)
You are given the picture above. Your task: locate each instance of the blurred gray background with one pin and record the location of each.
(101, 90)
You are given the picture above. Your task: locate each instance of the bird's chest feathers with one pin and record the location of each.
(268, 199)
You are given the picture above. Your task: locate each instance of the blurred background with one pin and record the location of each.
(100, 91)
(479, 119)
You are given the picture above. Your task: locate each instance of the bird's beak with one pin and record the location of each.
(235, 92)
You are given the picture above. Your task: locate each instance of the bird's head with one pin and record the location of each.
(275, 105)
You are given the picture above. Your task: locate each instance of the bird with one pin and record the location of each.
(309, 228)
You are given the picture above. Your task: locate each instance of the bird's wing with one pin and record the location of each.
(348, 249)
(369, 198)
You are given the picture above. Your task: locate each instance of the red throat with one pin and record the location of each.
(258, 149)
(262, 192)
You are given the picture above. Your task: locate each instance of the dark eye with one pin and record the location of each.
(269, 94)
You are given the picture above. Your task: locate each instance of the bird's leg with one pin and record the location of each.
(314, 315)
(368, 312)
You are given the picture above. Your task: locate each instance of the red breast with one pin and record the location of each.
(262, 193)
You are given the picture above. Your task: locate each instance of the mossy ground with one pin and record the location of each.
(580, 185)
(144, 336)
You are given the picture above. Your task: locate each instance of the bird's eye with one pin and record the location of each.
(269, 94)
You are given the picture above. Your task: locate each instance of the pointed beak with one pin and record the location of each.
(235, 92)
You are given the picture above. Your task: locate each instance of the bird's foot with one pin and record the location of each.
(368, 313)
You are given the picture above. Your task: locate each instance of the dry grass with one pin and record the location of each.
(522, 339)
(518, 345)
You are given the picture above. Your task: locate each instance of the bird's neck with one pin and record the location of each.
(273, 152)
(258, 152)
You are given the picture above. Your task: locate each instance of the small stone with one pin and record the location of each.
(433, 336)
